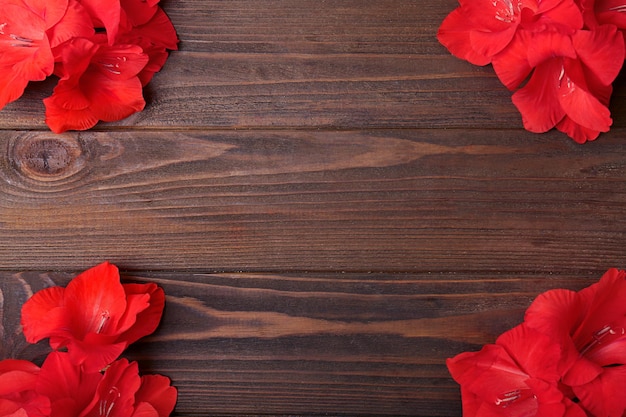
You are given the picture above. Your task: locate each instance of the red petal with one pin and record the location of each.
(22, 21)
(148, 319)
(107, 13)
(117, 388)
(29, 60)
(604, 396)
(68, 97)
(7, 365)
(95, 300)
(454, 34)
(557, 13)
(578, 133)
(606, 11)
(75, 57)
(490, 15)
(579, 104)
(547, 45)
(50, 10)
(536, 353)
(537, 101)
(158, 57)
(113, 100)
(60, 119)
(602, 50)
(555, 313)
(145, 410)
(491, 43)
(38, 66)
(11, 86)
(601, 335)
(16, 376)
(120, 62)
(95, 352)
(156, 391)
(511, 65)
(43, 314)
(138, 11)
(159, 31)
(581, 372)
(69, 389)
(74, 24)
(489, 373)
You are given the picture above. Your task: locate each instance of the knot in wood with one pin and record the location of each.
(48, 158)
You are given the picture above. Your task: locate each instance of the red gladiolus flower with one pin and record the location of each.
(102, 75)
(517, 376)
(565, 53)
(590, 326)
(98, 82)
(18, 395)
(24, 45)
(479, 29)
(570, 85)
(117, 392)
(95, 317)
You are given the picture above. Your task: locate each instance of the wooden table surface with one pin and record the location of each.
(332, 202)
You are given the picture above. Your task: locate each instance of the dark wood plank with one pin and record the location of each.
(199, 89)
(383, 27)
(398, 200)
(310, 344)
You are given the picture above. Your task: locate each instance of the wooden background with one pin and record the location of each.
(333, 204)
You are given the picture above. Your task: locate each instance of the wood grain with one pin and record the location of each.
(397, 200)
(333, 203)
(357, 344)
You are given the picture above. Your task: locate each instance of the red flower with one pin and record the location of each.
(517, 376)
(95, 317)
(570, 84)
(479, 29)
(98, 82)
(117, 392)
(18, 395)
(24, 43)
(590, 326)
(102, 75)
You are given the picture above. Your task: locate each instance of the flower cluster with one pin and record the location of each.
(560, 56)
(567, 359)
(89, 323)
(103, 51)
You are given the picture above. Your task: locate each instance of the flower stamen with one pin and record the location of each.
(20, 41)
(106, 405)
(104, 317)
(504, 14)
(600, 336)
(508, 397)
(113, 67)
